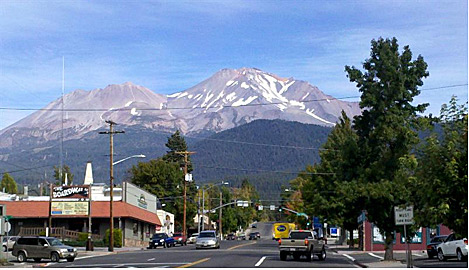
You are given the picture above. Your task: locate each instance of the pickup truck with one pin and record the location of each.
(302, 242)
(453, 246)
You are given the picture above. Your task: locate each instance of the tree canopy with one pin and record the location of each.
(9, 184)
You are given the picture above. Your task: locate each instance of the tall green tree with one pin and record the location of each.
(165, 180)
(176, 143)
(440, 188)
(65, 171)
(386, 127)
(9, 184)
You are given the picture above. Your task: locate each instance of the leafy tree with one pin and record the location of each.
(386, 127)
(9, 184)
(65, 171)
(440, 188)
(165, 180)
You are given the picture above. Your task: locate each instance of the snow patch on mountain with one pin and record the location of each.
(242, 102)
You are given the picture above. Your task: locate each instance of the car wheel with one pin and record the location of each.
(54, 257)
(37, 259)
(322, 256)
(441, 256)
(21, 257)
(459, 255)
(70, 259)
(164, 245)
(283, 256)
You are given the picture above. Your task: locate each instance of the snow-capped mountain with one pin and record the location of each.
(227, 99)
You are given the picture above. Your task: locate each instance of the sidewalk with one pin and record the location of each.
(344, 249)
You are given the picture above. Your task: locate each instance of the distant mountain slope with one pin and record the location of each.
(229, 98)
(269, 147)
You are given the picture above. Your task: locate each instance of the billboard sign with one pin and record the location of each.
(138, 197)
(71, 192)
(72, 208)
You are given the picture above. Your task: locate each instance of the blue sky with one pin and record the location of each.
(168, 46)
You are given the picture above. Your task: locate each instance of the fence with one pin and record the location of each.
(59, 232)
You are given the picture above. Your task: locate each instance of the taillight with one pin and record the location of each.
(465, 241)
(429, 247)
(306, 242)
(279, 241)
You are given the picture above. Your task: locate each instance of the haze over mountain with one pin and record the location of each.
(227, 99)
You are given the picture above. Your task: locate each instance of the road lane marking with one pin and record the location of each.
(260, 261)
(152, 259)
(238, 246)
(108, 265)
(193, 263)
(418, 255)
(349, 257)
(376, 256)
(119, 265)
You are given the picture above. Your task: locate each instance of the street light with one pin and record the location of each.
(124, 159)
(203, 203)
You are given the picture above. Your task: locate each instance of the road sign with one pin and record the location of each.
(261, 207)
(7, 227)
(272, 207)
(188, 177)
(404, 216)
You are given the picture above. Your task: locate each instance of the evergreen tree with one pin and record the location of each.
(65, 171)
(176, 143)
(9, 184)
(386, 127)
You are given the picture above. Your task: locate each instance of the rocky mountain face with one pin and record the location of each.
(228, 99)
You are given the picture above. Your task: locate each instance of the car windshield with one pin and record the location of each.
(55, 242)
(252, 234)
(300, 235)
(439, 239)
(207, 234)
(158, 235)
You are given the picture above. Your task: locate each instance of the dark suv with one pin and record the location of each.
(38, 248)
(161, 239)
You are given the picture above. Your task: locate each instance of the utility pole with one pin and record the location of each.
(111, 132)
(219, 216)
(198, 213)
(186, 161)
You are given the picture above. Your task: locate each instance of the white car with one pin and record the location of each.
(8, 242)
(207, 239)
(453, 247)
(193, 238)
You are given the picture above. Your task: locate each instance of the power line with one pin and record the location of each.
(193, 108)
(258, 170)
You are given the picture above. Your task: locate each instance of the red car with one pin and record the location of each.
(180, 239)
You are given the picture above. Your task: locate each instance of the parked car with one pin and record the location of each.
(253, 236)
(254, 226)
(453, 246)
(161, 239)
(38, 248)
(207, 239)
(193, 238)
(431, 247)
(179, 238)
(242, 236)
(231, 236)
(8, 242)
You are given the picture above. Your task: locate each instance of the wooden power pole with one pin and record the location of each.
(186, 161)
(111, 132)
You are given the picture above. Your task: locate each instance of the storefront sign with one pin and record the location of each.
(141, 201)
(70, 192)
(69, 208)
(416, 239)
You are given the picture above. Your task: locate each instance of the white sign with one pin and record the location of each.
(261, 207)
(404, 216)
(7, 226)
(188, 177)
(272, 207)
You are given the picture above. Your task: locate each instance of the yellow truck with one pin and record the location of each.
(282, 230)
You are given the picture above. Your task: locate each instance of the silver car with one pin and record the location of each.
(8, 242)
(207, 239)
(38, 248)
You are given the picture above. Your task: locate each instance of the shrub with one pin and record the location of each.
(43, 233)
(117, 237)
(82, 237)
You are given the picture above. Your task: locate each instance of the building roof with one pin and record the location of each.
(99, 209)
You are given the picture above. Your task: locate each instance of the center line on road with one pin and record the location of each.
(238, 246)
(260, 261)
(376, 256)
(194, 263)
(152, 259)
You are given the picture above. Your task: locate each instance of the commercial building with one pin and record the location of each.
(134, 211)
